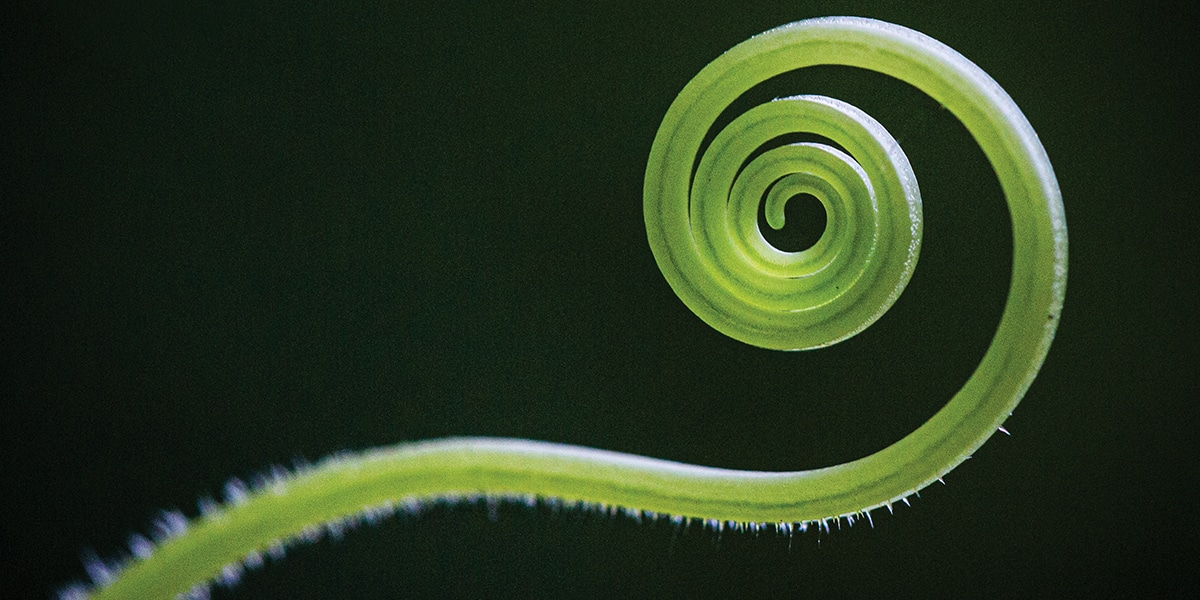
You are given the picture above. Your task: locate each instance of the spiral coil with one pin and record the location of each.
(702, 225)
(760, 295)
(716, 259)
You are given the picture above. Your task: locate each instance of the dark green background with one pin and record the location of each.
(237, 236)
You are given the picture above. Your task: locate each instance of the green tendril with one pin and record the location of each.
(702, 227)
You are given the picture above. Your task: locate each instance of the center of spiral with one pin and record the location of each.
(803, 223)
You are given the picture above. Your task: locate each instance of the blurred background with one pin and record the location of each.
(236, 237)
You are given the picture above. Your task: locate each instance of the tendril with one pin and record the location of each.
(702, 228)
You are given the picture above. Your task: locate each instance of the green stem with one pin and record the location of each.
(703, 233)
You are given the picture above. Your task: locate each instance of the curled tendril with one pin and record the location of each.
(719, 262)
(703, 231)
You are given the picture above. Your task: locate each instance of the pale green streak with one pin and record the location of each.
(759, 314)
